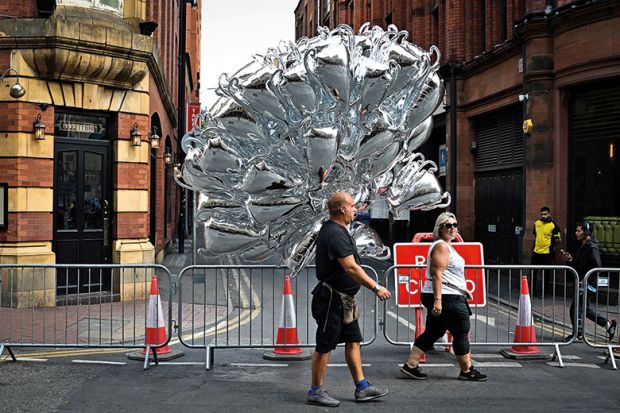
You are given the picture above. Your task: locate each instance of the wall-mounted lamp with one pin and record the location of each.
(154, 138)
(528, 126)
(136, 136)
(39, 129)
(17, 90)
(473, 148)
(524, 97)
(167, 156)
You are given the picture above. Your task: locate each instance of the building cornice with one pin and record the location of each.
(104, 51)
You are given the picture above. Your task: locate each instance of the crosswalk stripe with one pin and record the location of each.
(498, 364)
(588, 365)
(114, 363)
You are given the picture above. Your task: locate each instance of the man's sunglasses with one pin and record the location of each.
(449, 225)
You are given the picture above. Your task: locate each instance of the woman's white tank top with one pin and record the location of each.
(454, 273)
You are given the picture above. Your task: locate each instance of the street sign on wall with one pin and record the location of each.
(193, 109)
(409, 281)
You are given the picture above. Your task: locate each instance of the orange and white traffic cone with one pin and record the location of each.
(524, 330)
(287, 331)
(155, 331)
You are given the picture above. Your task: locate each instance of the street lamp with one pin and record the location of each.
(17, 90)
(39, 129)
(136, 136)
(167, 157)
(155, 139)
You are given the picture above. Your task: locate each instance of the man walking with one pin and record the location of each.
(333, 302)
(546, 233)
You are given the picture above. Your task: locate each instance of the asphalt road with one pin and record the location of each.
(242, 380)
(106, 381)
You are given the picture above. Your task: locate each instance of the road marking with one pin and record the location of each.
(181, 363)
(344, 365)
(433, 365)
(486, 356)
(588, 365)
(487, 320)
(570, 357)
(401, 320)
(28, 359)
(257, 365)
(498, 364)
(114, 363)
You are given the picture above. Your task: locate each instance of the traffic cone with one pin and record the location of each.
(155, 331)
(524, 330)
(287, 331)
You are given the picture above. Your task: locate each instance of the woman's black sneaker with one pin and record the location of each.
(472, 375)
(413, 372)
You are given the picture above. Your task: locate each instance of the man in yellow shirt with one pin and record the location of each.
(546, 233)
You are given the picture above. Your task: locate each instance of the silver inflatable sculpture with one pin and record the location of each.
(337, 112)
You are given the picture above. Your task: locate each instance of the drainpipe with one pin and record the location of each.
(181, 119)
(453, 129)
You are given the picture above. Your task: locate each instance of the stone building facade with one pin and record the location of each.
(532, 110)
(101, 77)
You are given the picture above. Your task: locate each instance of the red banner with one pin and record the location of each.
(193, 109)
(409, 281)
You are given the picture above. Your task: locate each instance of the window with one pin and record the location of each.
(110, 5)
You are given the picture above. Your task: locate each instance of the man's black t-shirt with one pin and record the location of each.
(334, 242)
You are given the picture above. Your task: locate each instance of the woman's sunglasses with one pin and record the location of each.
(449, 225)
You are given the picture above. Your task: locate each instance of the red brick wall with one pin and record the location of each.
(28, 226)
(131, 225)
(26, 172)
(19, 8)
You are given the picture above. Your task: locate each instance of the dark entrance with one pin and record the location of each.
(499, 212)
(594, 170)
(82, 199)
(499, 196)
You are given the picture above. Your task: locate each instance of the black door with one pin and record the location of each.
(499, 215)
(81, 207)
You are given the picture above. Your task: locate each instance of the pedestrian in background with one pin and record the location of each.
(333, 302)
(586, 257)
(445, 296)
(547, 234)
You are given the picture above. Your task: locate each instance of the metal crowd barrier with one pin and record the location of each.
(601, 300)
(98, 306)
(493, 324)
(240, 306)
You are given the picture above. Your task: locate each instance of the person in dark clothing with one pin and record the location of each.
(587, 257)
(340, 277)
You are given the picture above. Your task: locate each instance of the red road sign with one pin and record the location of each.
(409, 281)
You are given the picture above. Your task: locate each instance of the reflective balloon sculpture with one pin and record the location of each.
(337, 112)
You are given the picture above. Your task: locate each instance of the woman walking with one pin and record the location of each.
(445, 296)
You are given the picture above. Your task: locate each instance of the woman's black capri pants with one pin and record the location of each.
(454, 317)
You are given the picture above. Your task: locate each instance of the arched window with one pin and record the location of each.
(109, 5)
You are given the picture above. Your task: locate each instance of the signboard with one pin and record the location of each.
(443, 159)
(193, 109)
(409, 281)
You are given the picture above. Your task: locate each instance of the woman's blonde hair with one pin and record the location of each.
(441, 219)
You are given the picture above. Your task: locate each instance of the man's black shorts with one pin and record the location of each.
(330, 329)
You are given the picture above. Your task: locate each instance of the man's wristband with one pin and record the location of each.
(376, 288)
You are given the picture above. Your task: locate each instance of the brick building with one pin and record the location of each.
(550, 68)
(100, 80)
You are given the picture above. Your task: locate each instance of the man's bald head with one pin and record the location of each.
(336, 201)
